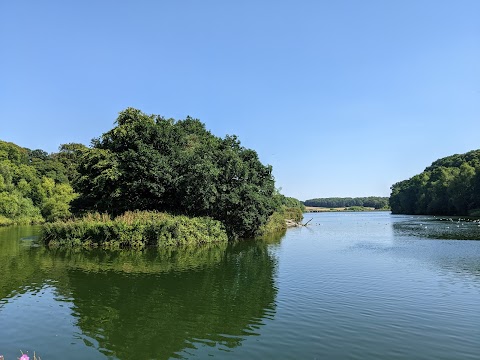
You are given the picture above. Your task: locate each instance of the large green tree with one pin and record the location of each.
(147, 162)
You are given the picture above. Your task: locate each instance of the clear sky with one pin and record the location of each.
(342, 98)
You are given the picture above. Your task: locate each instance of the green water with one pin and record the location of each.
(350, 286)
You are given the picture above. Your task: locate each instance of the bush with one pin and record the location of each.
(295, 214)
(133, 230)
(275, 224)
(5, 221)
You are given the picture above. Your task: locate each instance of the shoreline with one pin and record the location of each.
(314, 209)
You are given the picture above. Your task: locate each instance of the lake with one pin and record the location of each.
(349, 286)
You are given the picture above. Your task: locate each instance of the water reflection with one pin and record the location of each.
(19, 262)
(154, 304)
(156, 314)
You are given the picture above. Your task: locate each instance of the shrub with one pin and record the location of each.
(136, 229)
(294, 214)
(275, 224)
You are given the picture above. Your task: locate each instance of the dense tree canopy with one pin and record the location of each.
(335, 202)
(450, 186)
(147, 162)
(33, 186)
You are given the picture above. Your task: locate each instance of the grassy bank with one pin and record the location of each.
(133, 230)
(277, 221)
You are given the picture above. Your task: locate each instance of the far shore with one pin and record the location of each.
(310, 209)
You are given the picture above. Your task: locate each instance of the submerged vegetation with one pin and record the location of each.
(450, 186)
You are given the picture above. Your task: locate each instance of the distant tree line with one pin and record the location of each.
(337, 202)
(450, 186)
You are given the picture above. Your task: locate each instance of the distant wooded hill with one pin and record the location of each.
(336, 202)
(450, 186)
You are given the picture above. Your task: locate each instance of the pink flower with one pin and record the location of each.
(24, 357)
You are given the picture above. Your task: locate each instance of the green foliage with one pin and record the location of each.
(275, 224)
(133, 230)
(450, 186)
(14, 153)
(147, 162)
(5, 221)
(371, 201)
(288, 202)
(56, 205)
(277, 221)
(69, 155)
(33, 186)
(18, 209)
(293, 213)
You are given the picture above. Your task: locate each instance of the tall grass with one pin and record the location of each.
(295, 214)
(277, 221)
(136, 229)
(275, 224)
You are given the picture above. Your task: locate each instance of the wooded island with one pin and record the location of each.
(146, 163)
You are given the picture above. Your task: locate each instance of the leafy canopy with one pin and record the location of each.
(147, 162)
(33, 186)
(450, 186)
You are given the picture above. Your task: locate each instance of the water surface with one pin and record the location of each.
(350, 286)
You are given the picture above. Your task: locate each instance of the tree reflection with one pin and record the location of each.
(215, 296)
(150, 304)
(19, 262)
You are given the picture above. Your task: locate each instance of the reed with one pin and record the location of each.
(133, 229)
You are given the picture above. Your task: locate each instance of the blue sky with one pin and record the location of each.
(342, 98)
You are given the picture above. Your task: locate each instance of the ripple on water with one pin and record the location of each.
(351, 286)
